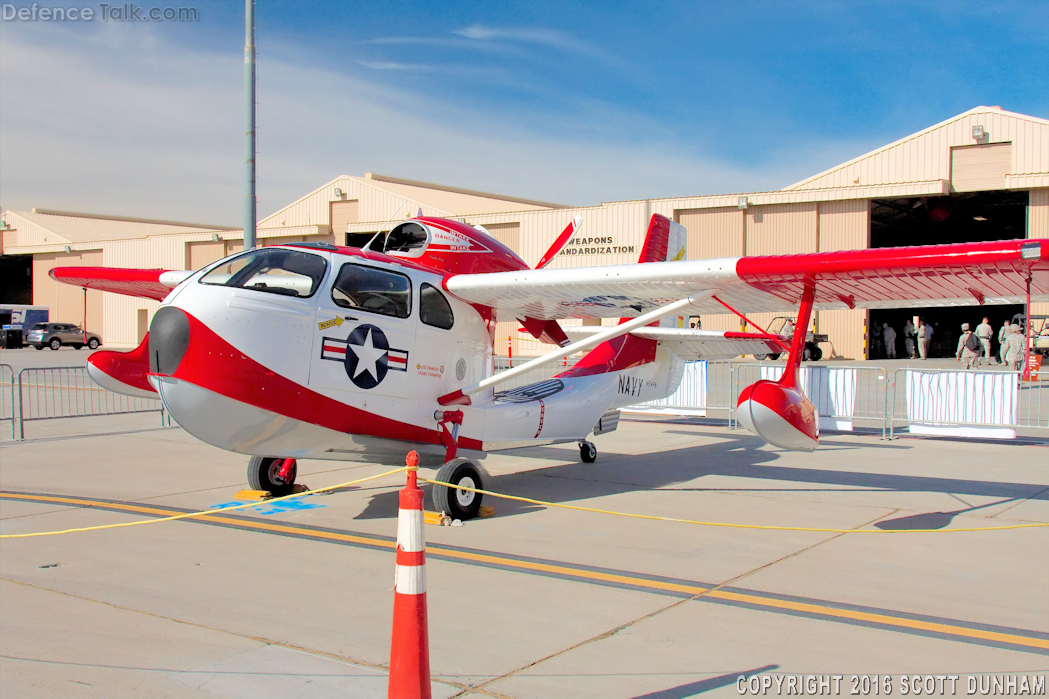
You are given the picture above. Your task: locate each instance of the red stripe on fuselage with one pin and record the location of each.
(213, 364)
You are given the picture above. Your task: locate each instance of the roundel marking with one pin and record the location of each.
(367, 356)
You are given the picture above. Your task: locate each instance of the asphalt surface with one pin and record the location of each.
(537, 601)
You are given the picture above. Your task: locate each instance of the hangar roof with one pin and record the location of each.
(44, 227)
(926, 155)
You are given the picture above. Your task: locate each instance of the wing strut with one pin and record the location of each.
(765, 333)
(462, 396)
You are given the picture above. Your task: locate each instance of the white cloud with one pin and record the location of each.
(122, 121)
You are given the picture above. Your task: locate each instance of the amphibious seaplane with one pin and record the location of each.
(323, 352)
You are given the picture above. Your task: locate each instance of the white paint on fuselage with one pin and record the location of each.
(287, 334)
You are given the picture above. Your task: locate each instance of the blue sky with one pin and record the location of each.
(575, 102)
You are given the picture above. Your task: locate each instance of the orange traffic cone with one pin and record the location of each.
(410, 645)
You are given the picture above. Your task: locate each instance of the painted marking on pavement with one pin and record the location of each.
(937, 627)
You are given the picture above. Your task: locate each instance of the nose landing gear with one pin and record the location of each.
(457, 503)
(275, 474)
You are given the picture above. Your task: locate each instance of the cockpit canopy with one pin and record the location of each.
(408, 238)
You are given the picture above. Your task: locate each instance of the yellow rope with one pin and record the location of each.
(187, 515)
(531, 501)
(726, 524)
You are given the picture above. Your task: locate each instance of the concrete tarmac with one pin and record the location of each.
(295, 600)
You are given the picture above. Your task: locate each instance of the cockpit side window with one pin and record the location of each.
(373, 290)
(434, 308)
(406, 238)
(272, 270)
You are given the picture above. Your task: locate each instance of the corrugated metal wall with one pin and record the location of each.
(843, 225)
(713, 232)
(66, 303)
(780, 229)
(1038, 214)
(509, 234)
(1038, 227)
(983, 167)
(201, 254)
(343, 213)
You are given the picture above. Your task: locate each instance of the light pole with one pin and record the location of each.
(249, 94)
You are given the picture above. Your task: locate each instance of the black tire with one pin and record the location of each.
(93, 343)
(39, 347)
(814, 353)
(458, 504)
(55, 343)
(762, 356)
(76, 347)
(262, 475)
(774, 355)
(587, 452)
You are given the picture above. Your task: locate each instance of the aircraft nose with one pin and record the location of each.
(168, 340)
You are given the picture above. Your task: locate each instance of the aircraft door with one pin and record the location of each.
(365, 333)
(441, 347)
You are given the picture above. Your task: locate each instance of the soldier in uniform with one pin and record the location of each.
(985, 332)
(965, 353)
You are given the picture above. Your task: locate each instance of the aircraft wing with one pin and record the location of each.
(959, 274)
(691, 344)
(145, 283)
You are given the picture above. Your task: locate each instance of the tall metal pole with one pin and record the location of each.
(249, 94)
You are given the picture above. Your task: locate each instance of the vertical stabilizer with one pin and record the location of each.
(666, 241)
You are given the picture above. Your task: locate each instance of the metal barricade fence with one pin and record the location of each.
(705, 385)
(841, 394)
(7, 395)
(930, 399)
(58, 392)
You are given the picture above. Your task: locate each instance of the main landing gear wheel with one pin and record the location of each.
(587, 452)
(264, 473)
(454, 502)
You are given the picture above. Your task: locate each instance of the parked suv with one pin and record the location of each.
(54, 335)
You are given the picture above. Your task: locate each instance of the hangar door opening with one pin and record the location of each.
(16, 279)
(960, 218)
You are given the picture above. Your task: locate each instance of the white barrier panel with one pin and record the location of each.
(937, 402)
(690, 398)
(831, 389)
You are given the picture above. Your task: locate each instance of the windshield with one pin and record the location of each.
(272, 270)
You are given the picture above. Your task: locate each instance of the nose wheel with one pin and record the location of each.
(455, 502)
(587, 452)
(273, 473)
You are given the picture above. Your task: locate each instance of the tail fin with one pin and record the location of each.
(666, 241)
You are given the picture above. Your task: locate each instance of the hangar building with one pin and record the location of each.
(982, 175)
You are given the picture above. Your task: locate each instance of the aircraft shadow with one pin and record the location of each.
(737, 457)
(693, 688)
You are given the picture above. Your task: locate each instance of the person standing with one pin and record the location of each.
(985, 332)
(908, 338)
(969, 347)
(889, 335)
(928, 339)
(1014, 349)
(1003, 337)
(923, 346)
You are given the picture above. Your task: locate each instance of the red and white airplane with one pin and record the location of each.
(324, 352)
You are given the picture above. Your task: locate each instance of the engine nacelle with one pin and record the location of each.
(780, 415)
